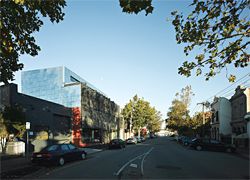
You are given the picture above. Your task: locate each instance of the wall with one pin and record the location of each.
(99, 112)
(225, 117)
(50, 122)
(240, 105)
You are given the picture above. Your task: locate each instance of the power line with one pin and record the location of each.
(248, 74)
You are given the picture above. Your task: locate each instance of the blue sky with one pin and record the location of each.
(122, 54)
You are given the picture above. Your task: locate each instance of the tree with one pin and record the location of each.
(3, 133)
(12, 121)
(154, 120)
(142, 114)
(19, 20)
(222, 30)
(178, 114)
(196, 123)
(132, 6)
(218, 29)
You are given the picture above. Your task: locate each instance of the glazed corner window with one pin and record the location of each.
(73, 79)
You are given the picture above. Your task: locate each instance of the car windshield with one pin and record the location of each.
(51, 148)
(115, 140)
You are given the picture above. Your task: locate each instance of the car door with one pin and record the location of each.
(216, 145)
(206, 144)
(74, 152)
(66, 152)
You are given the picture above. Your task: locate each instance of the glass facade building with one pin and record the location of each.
(59, 85)
(94, 115)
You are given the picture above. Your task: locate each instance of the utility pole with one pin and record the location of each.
(203, 115)
(130, 121)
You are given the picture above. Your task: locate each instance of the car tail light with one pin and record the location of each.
(46, 155)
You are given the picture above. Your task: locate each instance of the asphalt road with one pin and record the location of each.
(158, 158)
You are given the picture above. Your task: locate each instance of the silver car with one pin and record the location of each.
(131, 141)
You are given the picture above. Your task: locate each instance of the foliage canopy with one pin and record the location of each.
(19, 20)
(217, 30)
(141, 114)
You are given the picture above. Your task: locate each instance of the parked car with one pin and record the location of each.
(186, 140)
(117, 143)
(58, 154)
(209, 144)
(179, 138)
(142, 139)
(138, 139)
(152, 135)
(131, 141)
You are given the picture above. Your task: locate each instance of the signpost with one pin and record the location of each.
(27, 139)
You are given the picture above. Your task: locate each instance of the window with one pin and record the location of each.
(73, 79)
(64, 147)
(52, 148)
(217, 116)
(71, 147)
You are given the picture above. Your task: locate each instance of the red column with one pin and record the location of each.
(76, 127)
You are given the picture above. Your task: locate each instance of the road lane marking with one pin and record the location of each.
(130, 161)
(121, 169)
(145, 155)
(133, 165)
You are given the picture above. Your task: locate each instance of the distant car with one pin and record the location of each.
(142, 139)
(213, 145)
(138, 139)
(117, 143)
(186, 140)
(131, 141)
(152, 135)
(58, 154)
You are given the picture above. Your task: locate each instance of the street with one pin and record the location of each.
(159, 158)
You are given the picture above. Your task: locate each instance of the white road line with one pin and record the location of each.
(120, 170)
(145, 155)
(137, 157)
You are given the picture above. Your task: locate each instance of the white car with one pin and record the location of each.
(131, 141)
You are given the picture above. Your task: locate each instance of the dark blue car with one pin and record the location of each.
(58, 154)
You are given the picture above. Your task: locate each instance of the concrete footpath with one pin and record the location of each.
(10, 165)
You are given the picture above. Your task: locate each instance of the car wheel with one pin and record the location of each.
(61, 161)
(198, 148)
(228, 150)
(185, 144)
(83, 156)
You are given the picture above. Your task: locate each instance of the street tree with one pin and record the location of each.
(140, 114)
(19, 20)
(12, 121)
(197, 126)
(217, 32)
(178, 114)
(3, 133)
(154, 120)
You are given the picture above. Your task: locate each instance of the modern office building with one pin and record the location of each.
(95, 116)
(49, 122)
